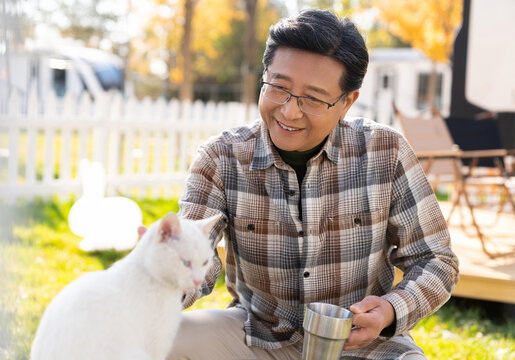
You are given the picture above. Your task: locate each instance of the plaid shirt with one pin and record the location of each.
(367, 207)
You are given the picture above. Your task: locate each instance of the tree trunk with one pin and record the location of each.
(248, 95)
(186, 92)
(171, 62)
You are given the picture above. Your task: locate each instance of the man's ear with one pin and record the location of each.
(169, 227)
(351, 99)
(347, 103)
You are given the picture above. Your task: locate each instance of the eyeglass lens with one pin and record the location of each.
(306, 105)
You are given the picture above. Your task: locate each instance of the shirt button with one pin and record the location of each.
(306, 274)
(291, 192)
(357, 221)
(251, 227)
(301, 233)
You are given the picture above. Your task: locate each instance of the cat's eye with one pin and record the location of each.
(205, 263)
(186, 263)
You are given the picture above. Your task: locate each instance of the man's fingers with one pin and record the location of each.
(367, 304)
(382, 311)
(358, 338)
(365, 320)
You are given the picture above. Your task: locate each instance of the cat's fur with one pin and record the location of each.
(133, 309)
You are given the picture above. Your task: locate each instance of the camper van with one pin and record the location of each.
(67, 70)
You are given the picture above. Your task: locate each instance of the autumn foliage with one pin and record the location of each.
(428, 25)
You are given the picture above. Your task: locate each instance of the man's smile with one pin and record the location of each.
(288, 128)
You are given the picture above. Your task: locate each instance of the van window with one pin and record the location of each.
(59, 81)
(109, 76)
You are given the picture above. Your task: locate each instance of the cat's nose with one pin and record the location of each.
(197, 282)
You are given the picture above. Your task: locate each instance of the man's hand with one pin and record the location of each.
(371, 315)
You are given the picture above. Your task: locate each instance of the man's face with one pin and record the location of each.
(303, 73)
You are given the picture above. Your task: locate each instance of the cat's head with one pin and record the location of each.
(179, 250)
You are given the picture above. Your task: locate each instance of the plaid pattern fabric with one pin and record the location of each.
(367, 207)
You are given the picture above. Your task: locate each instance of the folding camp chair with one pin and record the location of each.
(442, 159)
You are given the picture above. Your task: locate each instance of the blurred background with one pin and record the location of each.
(212, 49)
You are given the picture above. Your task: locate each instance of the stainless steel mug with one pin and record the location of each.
(326, 327)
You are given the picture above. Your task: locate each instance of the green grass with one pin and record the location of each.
(39, 256)
(468, 329)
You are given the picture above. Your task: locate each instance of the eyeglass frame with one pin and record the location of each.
(329, 105)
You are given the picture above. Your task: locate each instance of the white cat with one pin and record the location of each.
(132, 310)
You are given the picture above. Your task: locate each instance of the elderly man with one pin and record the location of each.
(316, 207)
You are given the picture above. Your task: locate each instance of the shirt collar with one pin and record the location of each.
(333, 145)
(265, 155)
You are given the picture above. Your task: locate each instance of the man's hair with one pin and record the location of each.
(322, 32)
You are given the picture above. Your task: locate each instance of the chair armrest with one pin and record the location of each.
(484, 153)
(457, 153)
(439, 154)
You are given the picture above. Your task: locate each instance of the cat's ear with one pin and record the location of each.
(169, 227)
(208, 223)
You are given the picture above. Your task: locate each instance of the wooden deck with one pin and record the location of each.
(482, 277)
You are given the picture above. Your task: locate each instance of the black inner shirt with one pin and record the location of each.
(298, 161)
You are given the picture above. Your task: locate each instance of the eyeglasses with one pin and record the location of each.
(307, 104)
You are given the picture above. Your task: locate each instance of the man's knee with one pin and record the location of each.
(214, 333)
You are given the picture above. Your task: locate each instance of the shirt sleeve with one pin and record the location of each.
(421, 245)
(205, 197)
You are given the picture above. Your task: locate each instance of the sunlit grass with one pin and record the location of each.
(39, 256)
(467, 329)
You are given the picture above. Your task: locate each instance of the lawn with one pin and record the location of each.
(39, 256)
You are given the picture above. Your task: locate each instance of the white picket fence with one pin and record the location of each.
(145, 147)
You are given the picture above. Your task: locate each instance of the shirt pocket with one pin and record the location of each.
(250, 238)
(266, 253)
(357, 236)
(352, 254)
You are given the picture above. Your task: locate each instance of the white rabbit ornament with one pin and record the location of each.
(103, 222)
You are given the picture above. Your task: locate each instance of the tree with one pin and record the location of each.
(90, 21)
(248, 95)
(216, 44)
(186, 92)
(376, 33)
(176, 37)
(220, 47)
(155, 52)
(429, 26)
(218, 41)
